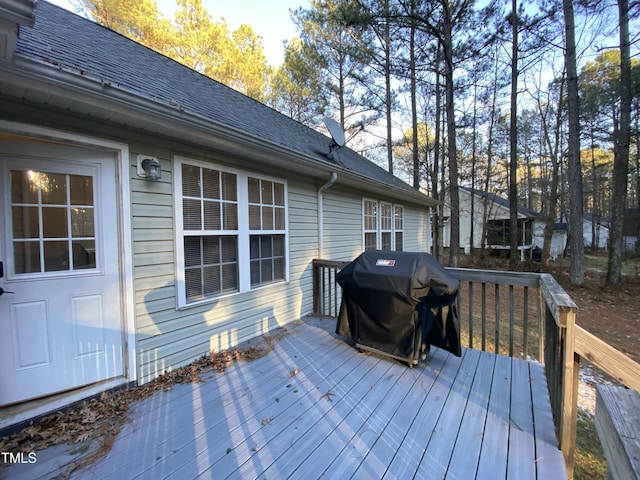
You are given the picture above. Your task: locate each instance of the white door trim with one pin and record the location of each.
(123, 195)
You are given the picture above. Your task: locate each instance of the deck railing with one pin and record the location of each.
(526, 315)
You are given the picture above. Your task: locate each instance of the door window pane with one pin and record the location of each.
(56, 213)
(81, 191)
(53, 188)
(56, 256)
(82, 222)
(54, 222)
(23, 190)
(84, 254)
(26, 257)
(26, 222)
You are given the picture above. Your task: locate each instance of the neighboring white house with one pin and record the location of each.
(531, 223)
(559, 240)
(150, 215)
(599, 228)
(631, 230)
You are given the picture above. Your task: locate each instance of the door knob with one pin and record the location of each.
(3, 291)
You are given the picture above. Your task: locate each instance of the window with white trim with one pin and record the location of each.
(267, 226)
(210, 229)
(383, 225)
(386, 230)
(231, 228)
(370, 215)
(398, 227)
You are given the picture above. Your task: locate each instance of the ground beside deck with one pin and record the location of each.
(316, 407)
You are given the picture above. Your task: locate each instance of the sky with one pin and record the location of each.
(269, 19)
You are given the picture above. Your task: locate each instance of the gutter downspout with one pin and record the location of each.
(332, 180)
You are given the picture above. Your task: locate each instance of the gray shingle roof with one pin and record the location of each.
(498, 200)
(77, 45)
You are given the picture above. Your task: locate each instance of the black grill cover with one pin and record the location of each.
(398, 303)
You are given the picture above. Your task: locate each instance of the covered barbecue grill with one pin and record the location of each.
(399, 303)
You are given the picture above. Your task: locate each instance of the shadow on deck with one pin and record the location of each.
(316, 407)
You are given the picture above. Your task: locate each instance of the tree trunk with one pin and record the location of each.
(472, 216)
(436, 163)
(387, 84)
(621, 151)
(414, 109)
(341, 93)
(454, 194)
(514, 236)
(554, 149)
(594, 197)
(576, 249)
(637, 162)
(485, 201)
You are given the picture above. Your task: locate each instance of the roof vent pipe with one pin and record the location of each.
(332, 180)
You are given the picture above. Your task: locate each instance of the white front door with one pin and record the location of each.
(61, 325)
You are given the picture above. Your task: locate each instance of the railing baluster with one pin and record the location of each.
(324, 286)
(459, 307)
(541, 324)
(338, 297)
(511, 319)
(525, 326)
(484, 316)
(470, 314)
(497, 328)
(330, 282)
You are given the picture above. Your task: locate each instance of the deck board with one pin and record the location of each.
(547, 462)
(521, 458)
(464, 461)
(495, 442)
(357, 424)
(316, 407)
(423, 421)
(380, 455)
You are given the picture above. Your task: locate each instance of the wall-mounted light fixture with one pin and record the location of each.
(149, 167)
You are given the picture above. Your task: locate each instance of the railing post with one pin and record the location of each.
(561, 364)
(326, 291)
(541, 323)
(571, 367)
(317, 297)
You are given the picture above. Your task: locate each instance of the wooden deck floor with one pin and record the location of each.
(316, 407)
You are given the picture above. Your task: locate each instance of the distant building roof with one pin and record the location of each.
(503, 202)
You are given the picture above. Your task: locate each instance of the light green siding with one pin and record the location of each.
(342, 224)
(416, 229)
(168, 337)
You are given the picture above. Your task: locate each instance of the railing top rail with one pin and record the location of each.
(526, 279)
(329, 263)
(558, 301)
